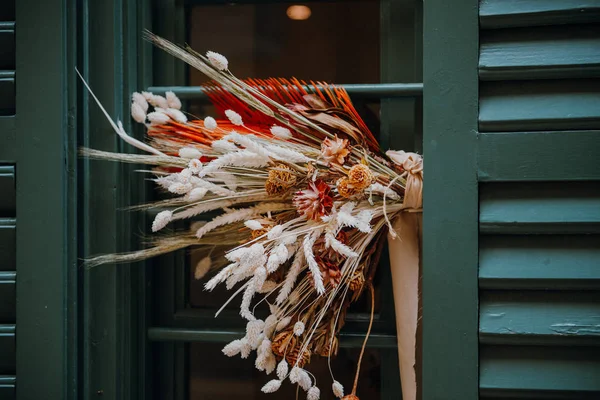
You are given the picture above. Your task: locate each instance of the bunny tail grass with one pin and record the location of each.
(133, 158)
(162, 247)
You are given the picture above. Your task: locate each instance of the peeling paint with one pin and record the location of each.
(576, 329)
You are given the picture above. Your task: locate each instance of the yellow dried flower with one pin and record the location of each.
(345, 189)
(280, 179)
(360, 176)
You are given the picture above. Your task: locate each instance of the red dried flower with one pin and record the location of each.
(315, 201)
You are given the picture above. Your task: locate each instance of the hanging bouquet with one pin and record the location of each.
(300, 198)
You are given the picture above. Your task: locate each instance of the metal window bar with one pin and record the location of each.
(173, 334)
(364, 91)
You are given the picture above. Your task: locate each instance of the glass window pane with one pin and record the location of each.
(215, 376)
(261, 41)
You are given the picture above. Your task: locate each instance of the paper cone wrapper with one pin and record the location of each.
(405, 264)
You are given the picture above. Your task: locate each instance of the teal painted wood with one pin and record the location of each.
(7, 89)
(45, 155)
(7, 138)
(113, 335)
(7, 387)
(560, 318)
(8, 297)
(539, 105)
(514, 13)
(7, 45)
(7, 191)
(356, 90)
(540, 53)
(7, 349)
(541, 207)
(549, 262)
(450, 236)
(540, 372)
(8, 246)
(539, 156)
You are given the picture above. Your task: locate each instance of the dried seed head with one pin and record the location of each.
(173, 101)
(313, 393)
(280, 132)
(299, 328)
(338, 389)
(234, 117)
(357, 281)
(280, 179)
(138, 113)
(202, 267)
(189, 153)
(271, 386)
(217, 60)
(210, 123)
(161, 220)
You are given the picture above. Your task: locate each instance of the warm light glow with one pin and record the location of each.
(298, 13)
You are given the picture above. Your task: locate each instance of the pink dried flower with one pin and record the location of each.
(334, 150)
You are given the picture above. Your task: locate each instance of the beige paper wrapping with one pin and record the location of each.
(404, 245)
(404, 263)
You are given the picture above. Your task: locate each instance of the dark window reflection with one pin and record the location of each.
(215, 376)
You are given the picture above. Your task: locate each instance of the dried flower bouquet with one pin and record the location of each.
(304, 198)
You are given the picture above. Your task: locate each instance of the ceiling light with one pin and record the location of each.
(298, 13)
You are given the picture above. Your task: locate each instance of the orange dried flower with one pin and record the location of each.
(346, 189)
(360, 176)
(334, 150)
(350, 397)
(280, 179)
(315, 201)
(259, 232)
(293, 355)
(281, 342)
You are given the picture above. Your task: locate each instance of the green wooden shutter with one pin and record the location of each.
(43, 149)
(450, 237)
(512, 197)
(7, 203)
(539, 253)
